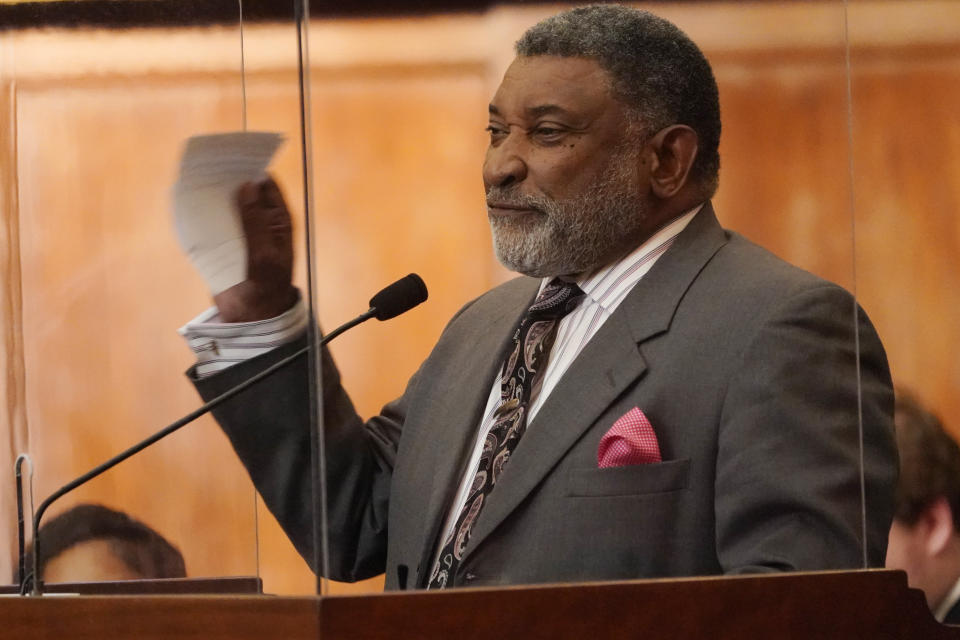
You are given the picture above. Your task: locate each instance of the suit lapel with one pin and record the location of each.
(609, 363)
(455, 423)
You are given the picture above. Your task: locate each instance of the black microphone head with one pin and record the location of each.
(399, 297)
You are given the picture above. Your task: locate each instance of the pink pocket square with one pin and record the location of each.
(629, 441)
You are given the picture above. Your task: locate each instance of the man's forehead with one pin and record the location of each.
(540, 85)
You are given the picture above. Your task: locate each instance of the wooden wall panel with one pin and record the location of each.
(417, 203)
(105, 287)
(13, 431)
(784, 179)
(398, 117)
(907, 188)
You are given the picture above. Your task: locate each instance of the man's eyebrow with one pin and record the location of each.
(546, 109)
(535, 112)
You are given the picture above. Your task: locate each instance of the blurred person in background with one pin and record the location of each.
(925, 535)
(92, 543)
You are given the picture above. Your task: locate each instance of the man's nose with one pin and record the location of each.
(504, 164)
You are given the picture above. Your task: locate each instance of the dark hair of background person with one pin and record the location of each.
(929, 462)
(142, 549)
(658, 72)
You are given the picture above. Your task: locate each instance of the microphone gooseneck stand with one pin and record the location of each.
(137, 448)
(397, 298)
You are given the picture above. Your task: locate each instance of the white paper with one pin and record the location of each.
(205, 212)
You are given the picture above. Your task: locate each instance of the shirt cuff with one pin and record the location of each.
(218, 345)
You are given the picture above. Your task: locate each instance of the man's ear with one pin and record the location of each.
(938, 519)
(672, 151)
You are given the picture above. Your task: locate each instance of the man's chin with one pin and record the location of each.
(520, 264)
(532, 266)
(517, 251)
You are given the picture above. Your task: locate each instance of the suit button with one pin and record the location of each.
(469, 577)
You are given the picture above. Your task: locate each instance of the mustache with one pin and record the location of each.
(510, 197)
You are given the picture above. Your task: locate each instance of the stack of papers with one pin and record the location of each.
(205, 212)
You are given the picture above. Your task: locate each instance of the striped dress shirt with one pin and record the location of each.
(218, 345)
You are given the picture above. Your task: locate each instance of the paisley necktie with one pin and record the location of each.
(520, 381)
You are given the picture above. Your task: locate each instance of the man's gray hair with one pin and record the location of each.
(657, 71)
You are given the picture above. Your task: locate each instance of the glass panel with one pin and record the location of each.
(94, 122)
(905, 68)
(397, 104)
(273, 104)
(398, 115)
(12, 423)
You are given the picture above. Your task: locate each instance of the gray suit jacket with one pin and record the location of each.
(746, 367)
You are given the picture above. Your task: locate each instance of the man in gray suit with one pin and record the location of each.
(656, 396)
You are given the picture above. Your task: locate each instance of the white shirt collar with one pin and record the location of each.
(952, 598)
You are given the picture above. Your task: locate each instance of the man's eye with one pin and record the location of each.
(495, 131)
(547, 133)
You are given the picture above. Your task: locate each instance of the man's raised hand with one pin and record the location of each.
(268, 290)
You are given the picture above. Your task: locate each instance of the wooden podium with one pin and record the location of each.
(868, 605)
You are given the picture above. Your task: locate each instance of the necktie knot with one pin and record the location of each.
(556, 300)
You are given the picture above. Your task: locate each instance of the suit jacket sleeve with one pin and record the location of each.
(788, 482)
(269, 427)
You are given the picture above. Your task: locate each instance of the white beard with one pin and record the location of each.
(572, 236)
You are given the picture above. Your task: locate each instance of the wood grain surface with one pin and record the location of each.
(825, 606)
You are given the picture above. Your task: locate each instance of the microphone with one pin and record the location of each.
(399, 297)
(389, 302)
